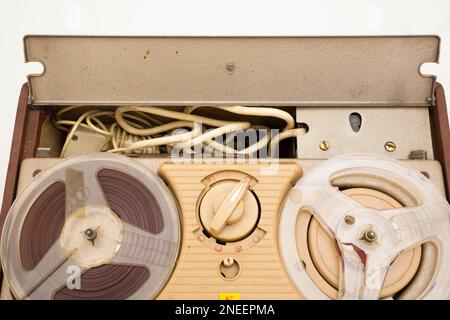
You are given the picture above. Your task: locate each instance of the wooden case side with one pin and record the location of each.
(24, 143)
(441, 135)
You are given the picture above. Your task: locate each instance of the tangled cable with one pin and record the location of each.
(140, 129)
(97, 121)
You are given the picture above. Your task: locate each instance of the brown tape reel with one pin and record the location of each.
(133, 243)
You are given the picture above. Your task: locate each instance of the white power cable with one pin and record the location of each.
(141, 128)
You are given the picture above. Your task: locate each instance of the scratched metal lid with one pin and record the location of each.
(290, 71)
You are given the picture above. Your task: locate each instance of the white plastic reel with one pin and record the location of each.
(396, 230)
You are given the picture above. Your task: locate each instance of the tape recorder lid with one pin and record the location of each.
(285, 71)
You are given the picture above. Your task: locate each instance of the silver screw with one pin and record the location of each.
(370, 236)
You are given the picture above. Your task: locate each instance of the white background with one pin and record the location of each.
(203, 17)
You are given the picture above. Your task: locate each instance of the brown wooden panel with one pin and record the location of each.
(441, 135)
(24, 143)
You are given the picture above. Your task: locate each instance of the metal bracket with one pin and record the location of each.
(391, 131)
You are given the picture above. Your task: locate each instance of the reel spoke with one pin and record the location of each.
(48, 275)
(83, 189)
(374, 280)
(65, 274)
(143, 248)
(331, 206)
(360, 279)
(415, 225)
(352, 274)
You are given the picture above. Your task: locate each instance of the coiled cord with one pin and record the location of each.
(96, 121)
(139, 129)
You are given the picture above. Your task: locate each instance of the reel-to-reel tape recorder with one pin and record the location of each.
(228, 168)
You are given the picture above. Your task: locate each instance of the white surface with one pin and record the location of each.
(203, 17)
